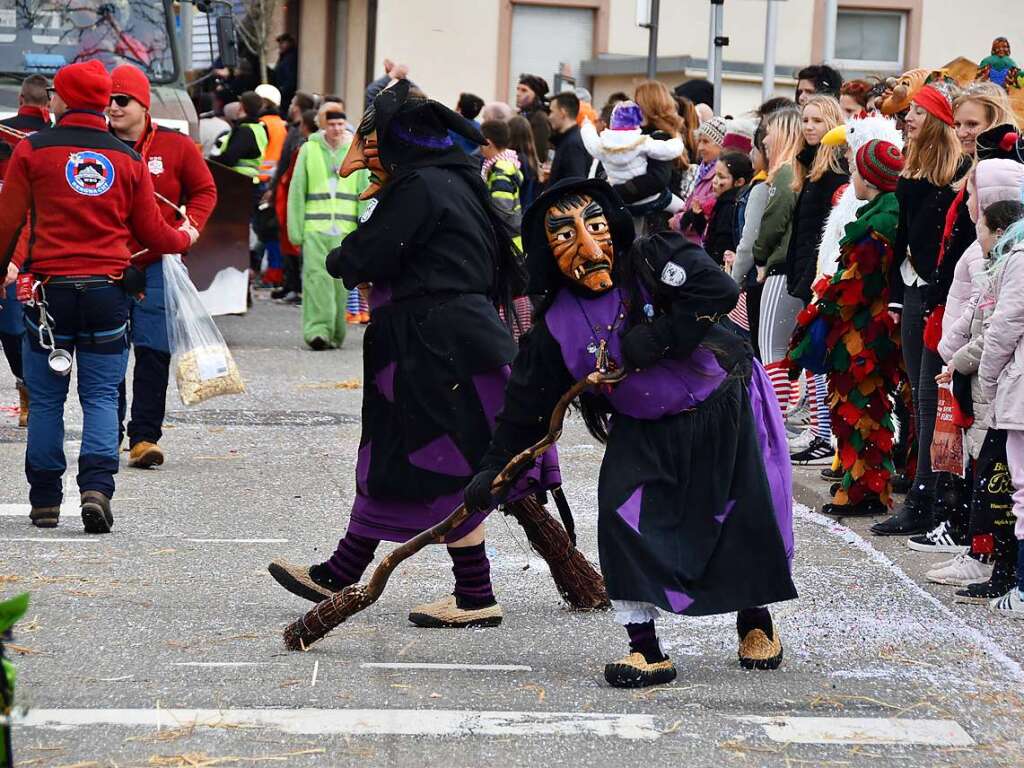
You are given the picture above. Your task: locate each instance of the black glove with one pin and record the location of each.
(641, 347)
(477, 495)
(134, 281)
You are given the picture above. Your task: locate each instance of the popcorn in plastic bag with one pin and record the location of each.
(204, 365)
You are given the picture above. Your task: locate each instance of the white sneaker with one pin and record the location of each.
(800, 442)
(945, 563)
(798, 417)
(963, 572)
(1011, 604)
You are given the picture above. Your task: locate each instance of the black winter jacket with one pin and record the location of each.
(812, 209)
(923, 208)
(571, 157)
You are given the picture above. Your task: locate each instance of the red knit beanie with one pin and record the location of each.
(879, 163)
(936, 103)
(85, 85)
(132, 82)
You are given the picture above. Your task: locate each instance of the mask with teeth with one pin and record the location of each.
(364, 153)
(581, 241)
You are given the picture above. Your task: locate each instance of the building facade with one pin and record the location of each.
(481, 46)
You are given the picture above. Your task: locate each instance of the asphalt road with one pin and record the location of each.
(160, 644)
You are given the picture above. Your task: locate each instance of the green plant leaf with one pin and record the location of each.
(12, 610)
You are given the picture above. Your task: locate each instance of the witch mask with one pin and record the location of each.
(364, 153)
(581, 241)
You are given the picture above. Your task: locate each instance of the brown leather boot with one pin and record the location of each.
(96, 514)
(145, 455)
(22, 405)
(44, 517)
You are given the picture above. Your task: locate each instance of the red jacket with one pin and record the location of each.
(28, 120)
(88, 193)
(180, 174)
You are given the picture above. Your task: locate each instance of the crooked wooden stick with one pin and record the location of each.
(333, 611)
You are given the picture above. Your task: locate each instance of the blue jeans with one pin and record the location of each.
(152, 363)
(11, 329)
(91, 323)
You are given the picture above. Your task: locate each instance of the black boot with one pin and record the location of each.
(914, 516)
(868, 507)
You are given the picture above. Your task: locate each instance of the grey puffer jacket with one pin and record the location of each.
(1001, 371)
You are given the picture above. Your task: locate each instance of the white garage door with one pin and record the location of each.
(543, 37)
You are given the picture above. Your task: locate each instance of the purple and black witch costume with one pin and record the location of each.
(435, 355)
(695, 500)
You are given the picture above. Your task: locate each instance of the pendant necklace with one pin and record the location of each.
(598, 346)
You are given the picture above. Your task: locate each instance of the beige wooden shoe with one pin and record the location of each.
(758, 652)
(296, 579)
(635, 671)
(446, 613)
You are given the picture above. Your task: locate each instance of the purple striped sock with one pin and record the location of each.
(472, 572)
(351, 557)
(643, 638)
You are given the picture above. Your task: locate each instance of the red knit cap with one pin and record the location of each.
(879, 163)
(132, 82)
(936, 103)
(85, 85)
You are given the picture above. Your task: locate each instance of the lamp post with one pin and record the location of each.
(771, 33)
(716, 41)
(647, 12)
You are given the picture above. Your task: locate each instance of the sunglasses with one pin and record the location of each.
(121, 100)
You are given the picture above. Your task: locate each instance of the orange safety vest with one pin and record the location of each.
(277, 132)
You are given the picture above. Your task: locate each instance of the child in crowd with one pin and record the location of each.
(624, 149)
(733, 172)
(1000, 376)
(710, 138)
(502, 173)
(991, 520)
(848, 333)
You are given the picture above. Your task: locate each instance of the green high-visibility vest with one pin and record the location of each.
(248, 166)
(328, 211)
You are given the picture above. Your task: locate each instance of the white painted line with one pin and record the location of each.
(22, 510)
(59, 540)
(851, 537)
(863, 730)
(468, 667)
(225, 664)
(238, 541)
(360, 722)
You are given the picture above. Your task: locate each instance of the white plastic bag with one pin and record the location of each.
(204, 367)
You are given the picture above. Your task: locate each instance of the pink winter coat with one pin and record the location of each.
(1001, 372)
(994, 180)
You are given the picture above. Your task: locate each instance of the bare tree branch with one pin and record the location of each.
(255, 27)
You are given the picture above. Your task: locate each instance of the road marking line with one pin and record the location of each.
(226, 664)
(22, 510)
(361, 722)
(863, 730)
(854, 539)
(238, 541)
(58, 539)
(468, 667)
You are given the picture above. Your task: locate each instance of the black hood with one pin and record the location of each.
(413, 132)
(544, 273)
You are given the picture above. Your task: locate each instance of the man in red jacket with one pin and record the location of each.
(32, 116)
(88, 195)
(179, 174)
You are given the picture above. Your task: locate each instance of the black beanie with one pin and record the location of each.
(536, 84)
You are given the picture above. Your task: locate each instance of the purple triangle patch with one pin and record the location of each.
(679, 601)
(441, 455)
(385, 381)
(728, 510)
(630, 511)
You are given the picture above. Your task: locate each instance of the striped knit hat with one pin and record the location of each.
(714, 130)
(879, 163)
